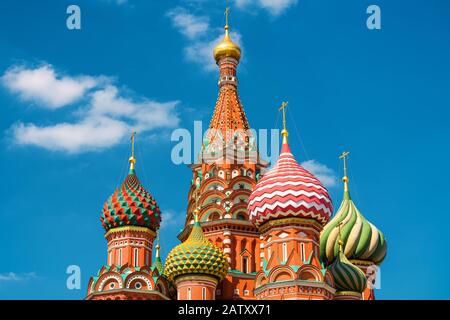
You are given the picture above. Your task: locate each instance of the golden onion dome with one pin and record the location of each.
(197, 255)
(227, 48)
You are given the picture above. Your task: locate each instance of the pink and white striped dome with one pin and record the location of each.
(288, 190)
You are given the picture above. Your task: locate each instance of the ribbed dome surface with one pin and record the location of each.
(347, 276)
(289, 190)
(196, 255)
(362, 240)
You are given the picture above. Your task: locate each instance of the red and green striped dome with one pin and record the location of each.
(131, 205)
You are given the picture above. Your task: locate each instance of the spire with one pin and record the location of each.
(227, 13)
(196, 215)
(132, 159)
(157, 247)
(157, 264)
(284, 133)
(344, 156)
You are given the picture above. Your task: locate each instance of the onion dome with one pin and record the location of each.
(347, 276)
(227, 48)
(361, 239)
(289, 190)
(196, 255)
(131, 204)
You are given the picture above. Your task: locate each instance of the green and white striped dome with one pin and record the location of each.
(347, 276)
(362, 240)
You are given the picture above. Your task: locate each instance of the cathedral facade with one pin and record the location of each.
(251, 232)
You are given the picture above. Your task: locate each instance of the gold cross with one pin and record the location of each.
(132, 143)
(344, 156)
(227, 12)
(282, 109)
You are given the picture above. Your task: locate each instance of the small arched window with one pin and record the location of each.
(240, 216)
(244, 264)
(284, 252)
(189, 294)
(119, 260)
(136, 257)
(302, 251)
(214, 216)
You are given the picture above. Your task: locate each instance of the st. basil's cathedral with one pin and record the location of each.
(251, 232)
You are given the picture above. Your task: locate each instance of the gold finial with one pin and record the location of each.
(227, 13)
(340, 242)
(132, 159)
(344, 156)
(196, 210)
(226, 48)
(157, 247)
(284, 132)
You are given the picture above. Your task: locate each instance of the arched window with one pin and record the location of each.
(189, 294)
(240, 216)
(203, 293)
(269, 253)
(147, 258)
(136, 257)
(302, 251)
(119, 260)
(109, 258)
(284, 252)
(214, 216)
(244, 264)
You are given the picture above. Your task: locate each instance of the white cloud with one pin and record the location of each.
(201, 52)
(171, 219)
(45, 87)
(11, 276)
(103, 121)
(145, 114)
(188, 24)
(322, 172)
(274, 7)
(89, 134)
(201, 37)
(118, 2)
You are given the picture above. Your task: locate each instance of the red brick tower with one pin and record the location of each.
(131, 219)
(228, 169)
(289, 206)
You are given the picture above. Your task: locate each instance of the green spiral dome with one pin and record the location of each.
(347, 276)
(362, 240)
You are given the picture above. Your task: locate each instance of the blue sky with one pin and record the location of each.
(381, 94)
